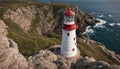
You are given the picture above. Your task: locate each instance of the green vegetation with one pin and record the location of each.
(93, 50)
(28, 43)
(34, 25)
(31, 42)
(4, 1)
(2, 12)
(13, 5)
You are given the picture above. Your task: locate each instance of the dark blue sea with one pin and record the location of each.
(108, 12)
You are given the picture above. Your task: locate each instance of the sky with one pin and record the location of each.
(80, 0)
(100, 0)
(95, 0)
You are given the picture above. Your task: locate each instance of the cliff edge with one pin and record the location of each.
(27, 28)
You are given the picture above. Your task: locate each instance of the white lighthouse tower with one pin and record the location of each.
(68, 48)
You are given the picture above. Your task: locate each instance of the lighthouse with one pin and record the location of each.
(68, 47)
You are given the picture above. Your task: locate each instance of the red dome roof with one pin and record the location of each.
(69, 12)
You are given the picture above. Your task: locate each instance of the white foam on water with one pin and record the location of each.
(88, 30)
(100, 24)
(118, 24)
(101, 16)
(113, 24)
(110, 15)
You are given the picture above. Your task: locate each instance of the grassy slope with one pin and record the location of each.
(96, 52)
(31, 42)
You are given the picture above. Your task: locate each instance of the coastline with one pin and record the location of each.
(31, 35)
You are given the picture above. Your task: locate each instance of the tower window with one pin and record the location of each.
(68, 34)
(74, 38)
(73, 49)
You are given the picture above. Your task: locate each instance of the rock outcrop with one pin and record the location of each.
(45, 21)
(53, 60)
(10, 58)
(44, 59)
(37, 18)
(84, 19)
(23, 16)
(27, 22)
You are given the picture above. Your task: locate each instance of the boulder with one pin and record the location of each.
(42, 60)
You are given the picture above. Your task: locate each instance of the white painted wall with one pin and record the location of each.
(68, 43)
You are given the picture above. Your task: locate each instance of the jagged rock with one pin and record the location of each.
(61, 64)
(47, 55)
(87, 59)
(10, 58)
(98, 65)
(23, 16)
(45, 21)
(39, 61)
(86, 64)
(43, 60)
(3, 28)
(4, 43)
(64, 62)
(116, 67)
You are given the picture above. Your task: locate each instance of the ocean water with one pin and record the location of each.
(108, 13)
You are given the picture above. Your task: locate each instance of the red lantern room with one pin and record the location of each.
(69, 12)
(69, 23)
(69, 16)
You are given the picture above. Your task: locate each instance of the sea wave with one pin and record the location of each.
(88, 30)
(100, 24)
(110, 15)
(113, 24)
(118, 24)
(100, 16)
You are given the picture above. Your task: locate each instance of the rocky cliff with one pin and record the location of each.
(29, 21)
(10, 57)
(30, 27)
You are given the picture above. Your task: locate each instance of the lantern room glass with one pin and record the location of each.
(69, 18)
